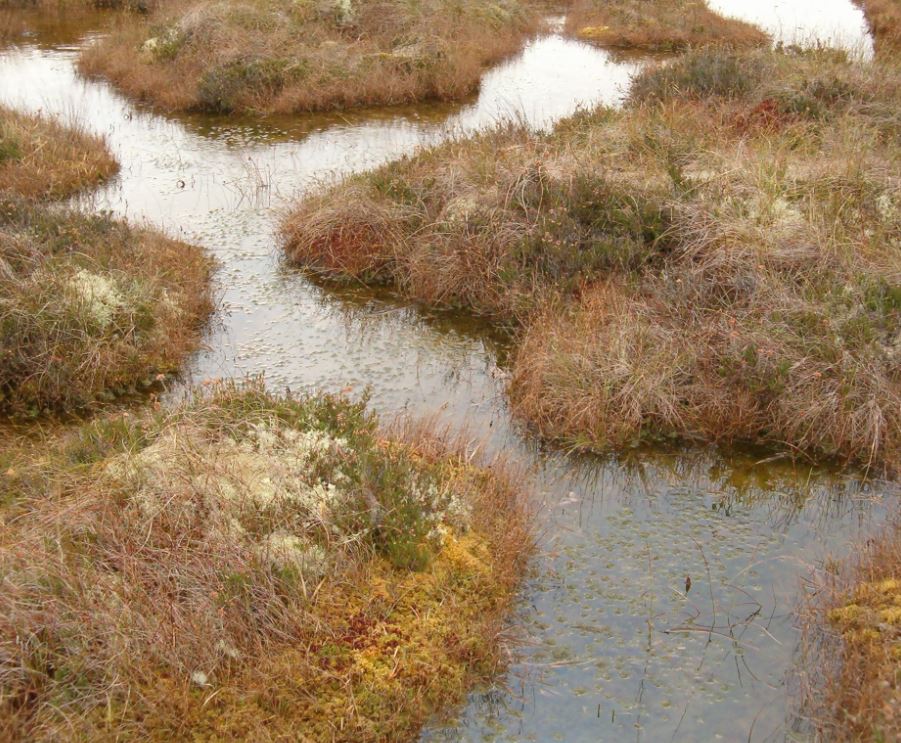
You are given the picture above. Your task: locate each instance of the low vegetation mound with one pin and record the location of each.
(288, 56)
(245, 567)
(90, 307)
(884, 20)
(718, 261)
(658, 26)
(40, 158)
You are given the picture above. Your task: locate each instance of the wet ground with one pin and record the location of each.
(612, 643)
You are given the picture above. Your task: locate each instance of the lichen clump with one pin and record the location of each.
(244, 566)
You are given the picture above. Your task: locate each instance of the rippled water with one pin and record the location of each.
(613, 646)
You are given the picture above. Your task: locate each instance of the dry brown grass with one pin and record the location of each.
(91, 308)
(658, 26)
(852, 634)
(884, 19)
(720, 259)
(285, 56)
(774, 317)
(158, 587)
(40, 158)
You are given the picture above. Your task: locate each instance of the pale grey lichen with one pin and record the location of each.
(100, 296)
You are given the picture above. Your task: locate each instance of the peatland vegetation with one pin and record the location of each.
(40, 158)
(717, 261)
(287, 56)
(884, 20)
(852, 633)
(248, 566)
(658, 26)
(90, 307)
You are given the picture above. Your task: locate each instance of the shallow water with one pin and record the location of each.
(613, 646)
(838, 23)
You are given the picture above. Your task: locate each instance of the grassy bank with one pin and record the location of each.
(245, 567)
(854, 633)
(718, 261)
(657, 26)
(286, 56)
(89, 307)
(40, 158)
(884, 20)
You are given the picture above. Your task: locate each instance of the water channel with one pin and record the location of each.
(611, 646)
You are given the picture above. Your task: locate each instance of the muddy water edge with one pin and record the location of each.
(612, 643)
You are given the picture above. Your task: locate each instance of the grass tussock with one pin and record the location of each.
(855, 630)
(40, 158)
(884, 20)
(658, 26)
(287, 56)
(248, 566)
(91, 308)
(718, 261)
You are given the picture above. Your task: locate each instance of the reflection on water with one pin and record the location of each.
(615, 646)
(831, 22)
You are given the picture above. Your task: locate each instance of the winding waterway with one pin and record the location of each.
(612, 646)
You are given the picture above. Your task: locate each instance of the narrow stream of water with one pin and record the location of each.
(612, 645)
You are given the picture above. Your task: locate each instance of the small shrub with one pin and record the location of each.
(700, 74)
(233, 84)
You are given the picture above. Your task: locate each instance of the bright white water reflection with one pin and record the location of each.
(831, 22)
